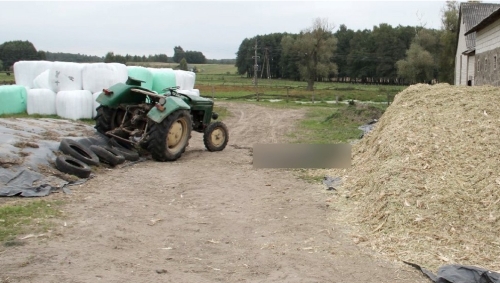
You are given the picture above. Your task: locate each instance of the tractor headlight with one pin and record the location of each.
(162, 101)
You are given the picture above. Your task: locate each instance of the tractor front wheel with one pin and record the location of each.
(169, 139)
(216, 136)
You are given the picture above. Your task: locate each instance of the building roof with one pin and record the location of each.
(472, 14)
(485, 22)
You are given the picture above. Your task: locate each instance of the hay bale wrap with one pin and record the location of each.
(97, 76)
(66, 76)
(41, 101)
(424, 184)
(95, 104)
(185, 79)
(74, 105)
(142, 74)
(163, 78)
(25, 72)
(42, 81)
(13, 99)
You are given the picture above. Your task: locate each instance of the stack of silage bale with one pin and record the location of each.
(69, 89)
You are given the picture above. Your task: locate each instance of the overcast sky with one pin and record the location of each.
(214, 28)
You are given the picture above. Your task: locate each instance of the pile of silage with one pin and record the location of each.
(425, 183)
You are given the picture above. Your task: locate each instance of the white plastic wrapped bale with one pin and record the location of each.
(162, 79)
(195, 92)
(42, 81)
(97, 76)
(185, 79)
(26, 71)
(142, 74)
(95, 104)
(66, 76)
(41, 101)
(121, 69)
(74, 104)
(12, 99)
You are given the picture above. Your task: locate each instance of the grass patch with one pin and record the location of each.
(334, 124)
(222, 111)
(31, 217)
(305, 175)
(25, 115)
(7, 79)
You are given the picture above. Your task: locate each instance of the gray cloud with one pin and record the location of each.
(214, 28)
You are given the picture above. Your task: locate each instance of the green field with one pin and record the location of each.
(220, 81)
(208, 69)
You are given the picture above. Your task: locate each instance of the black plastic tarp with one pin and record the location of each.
(455, 273)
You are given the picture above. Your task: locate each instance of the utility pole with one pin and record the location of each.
(255, 71)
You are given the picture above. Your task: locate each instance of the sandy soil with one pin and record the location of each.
(209, 217)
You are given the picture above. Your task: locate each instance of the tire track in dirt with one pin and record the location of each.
(208, 217)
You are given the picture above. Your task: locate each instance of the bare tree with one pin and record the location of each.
(314, 49)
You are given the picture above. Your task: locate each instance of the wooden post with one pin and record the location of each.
(336, 99)
(313, 96)
(213, 91)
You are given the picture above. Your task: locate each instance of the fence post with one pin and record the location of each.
(336, 99)
(213, 93)
(313, 96)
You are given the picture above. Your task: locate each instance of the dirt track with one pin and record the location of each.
(209, 217)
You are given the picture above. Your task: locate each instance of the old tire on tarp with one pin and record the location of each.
(78, 151)
(70, 165)
(108, 155)
(216, 136)
(128, 154)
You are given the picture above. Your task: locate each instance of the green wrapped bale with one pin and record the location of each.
(162, 79)
(13, 99)
(142, 74)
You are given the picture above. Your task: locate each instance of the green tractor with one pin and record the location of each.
(158, 123)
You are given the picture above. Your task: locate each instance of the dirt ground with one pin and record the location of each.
(209, 217)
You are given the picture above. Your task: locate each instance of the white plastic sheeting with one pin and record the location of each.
(74, 105)
(66, 76)
(190, 91)
(95, 104)
(26, 71)
(122, 69)
(185, 79)
(41, 101)
(97, 76)
(142, 74)
(42, 80)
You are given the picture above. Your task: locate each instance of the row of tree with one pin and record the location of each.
(18, 50)
(382, 54)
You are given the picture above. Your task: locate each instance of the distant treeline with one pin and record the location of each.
(363, 56)
(18, 50)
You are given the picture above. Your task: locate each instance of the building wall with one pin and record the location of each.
(487, 68)
(488, 38)
(461, 60)
(487, 55)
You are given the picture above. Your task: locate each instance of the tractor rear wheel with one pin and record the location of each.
(103, 119)
(169, 139)
(216, 136)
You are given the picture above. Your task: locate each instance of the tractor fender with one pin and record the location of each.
(173, 103)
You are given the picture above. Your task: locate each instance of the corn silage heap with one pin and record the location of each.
(425, 183)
